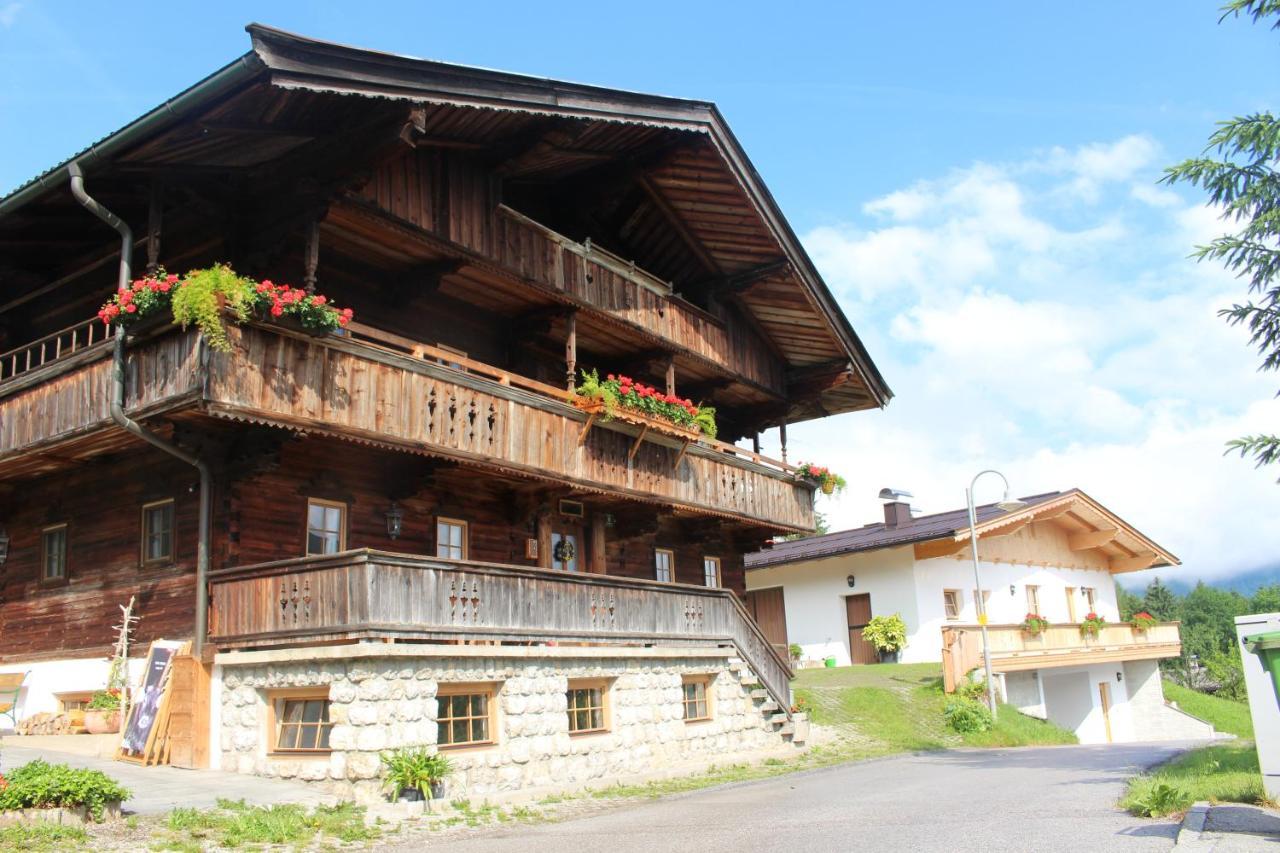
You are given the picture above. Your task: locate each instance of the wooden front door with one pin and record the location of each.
(858, 608)
(769, 608)
(1104, 695)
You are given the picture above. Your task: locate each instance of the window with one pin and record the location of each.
(463, 716)
(454, 351)
(1090, 597)
(951, 603)
(157, 532)
(711, 571)
(586, 702)
(697, 705)
(1071, 604)
(1033, 599)
(302, 721)
(326, 527)
(53, 553)
(986, 602)
(451, 538)
(663, 560)
(73, 701)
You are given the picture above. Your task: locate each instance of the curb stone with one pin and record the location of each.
(1189, 834)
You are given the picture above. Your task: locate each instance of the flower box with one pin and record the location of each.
(620, 413)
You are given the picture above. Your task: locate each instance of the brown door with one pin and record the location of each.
(1104, 694)
(566, 549)
(768, 607)
(859, 611)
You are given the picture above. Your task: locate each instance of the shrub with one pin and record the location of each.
(795, 651)
(974, 691)
(886, 633)
(39, 784)
(1159, 800)
(966, 716)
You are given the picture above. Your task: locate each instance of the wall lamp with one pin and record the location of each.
(1012, 589)
(395, 520)
(851, 580)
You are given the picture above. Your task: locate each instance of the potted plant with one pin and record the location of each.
(415, 773)
(888, 634)
(1035, 624)
(620, 396)
(102, 714)
(824, 478)
(1143, 621)
(1091, 625)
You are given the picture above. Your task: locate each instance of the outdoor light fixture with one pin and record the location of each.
(1119, 676)
(1012, 589)
(395, 520)
(4, 545)
(851, 579)
(1008, 505)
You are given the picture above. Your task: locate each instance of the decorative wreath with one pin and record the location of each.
(564, 551)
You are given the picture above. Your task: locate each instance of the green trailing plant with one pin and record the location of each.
(886, 633)
(824, 478)
(1035, 623)
(966, 716)
(202, 295)
(414, 768)
(39, 784)
(623, 392)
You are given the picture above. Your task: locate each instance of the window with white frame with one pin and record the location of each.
(53, 553)
(951, 603)
(664, 561)
(451, 538)
(326, 526)
(1033, 599)
(1090, 598)
(711, 571)
(157, 532)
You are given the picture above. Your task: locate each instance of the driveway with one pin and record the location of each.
(1051, 798)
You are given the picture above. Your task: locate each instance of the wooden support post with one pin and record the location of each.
(571, 352)
(755, 443)
(644, 430)
(671, 375)
(683, 451)
(597, 563)
(544, 540)
(586, 428)
(155, 215)
(311, 254)
(782, 437)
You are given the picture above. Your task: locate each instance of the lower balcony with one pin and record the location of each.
(377, 595)
(1014, 649)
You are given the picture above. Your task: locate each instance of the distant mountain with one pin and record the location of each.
(1245, 584)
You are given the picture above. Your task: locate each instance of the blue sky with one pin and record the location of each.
(976, 181)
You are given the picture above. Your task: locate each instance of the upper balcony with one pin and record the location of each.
(379, 389)
(1014, 649)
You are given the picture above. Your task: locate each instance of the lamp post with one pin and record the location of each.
(1008, 505)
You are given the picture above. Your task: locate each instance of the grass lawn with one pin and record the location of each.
(1226, 715)
(1226, 773)
(887, 708)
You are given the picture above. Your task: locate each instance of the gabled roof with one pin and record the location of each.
(1127, 548)
(727, 217)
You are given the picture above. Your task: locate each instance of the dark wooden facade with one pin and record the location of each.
(493, 234)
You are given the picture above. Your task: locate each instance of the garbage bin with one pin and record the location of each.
(1267, 648)
(829, 663)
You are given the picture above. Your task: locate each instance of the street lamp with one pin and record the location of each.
(1008, 504)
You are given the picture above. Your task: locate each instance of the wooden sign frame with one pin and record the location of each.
(153, 701)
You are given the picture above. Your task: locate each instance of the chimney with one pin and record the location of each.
(897, 509)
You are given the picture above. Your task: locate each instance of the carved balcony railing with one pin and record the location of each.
(395, 393)
(373, 594)
(1014, 650)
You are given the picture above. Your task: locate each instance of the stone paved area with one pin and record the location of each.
(157, 790)
(1229, 828)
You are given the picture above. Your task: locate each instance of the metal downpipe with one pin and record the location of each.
(123, 420)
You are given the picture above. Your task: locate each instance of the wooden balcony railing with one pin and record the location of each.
(1014, 650)
(395, 392)
(373, 594)
(59, 345)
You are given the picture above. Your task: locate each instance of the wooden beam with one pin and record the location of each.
(1006, 530)
(571, 352)
(1136, 563)
(677, 223)
(1091, 539)
(155, 215)
(939, 548)
(741, 282)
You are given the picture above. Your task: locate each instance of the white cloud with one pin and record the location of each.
(1043, 317)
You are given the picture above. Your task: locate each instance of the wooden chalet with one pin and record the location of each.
(410, 480)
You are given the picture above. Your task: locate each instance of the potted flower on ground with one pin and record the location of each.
(1143, 621)
(888, 634)
(1035, 624)
(416, 773)
(1091, 625)
(102, 714)
(824, 478)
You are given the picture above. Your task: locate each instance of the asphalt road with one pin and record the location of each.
(1044, 799)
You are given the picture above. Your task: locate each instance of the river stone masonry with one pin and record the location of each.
(381, 703)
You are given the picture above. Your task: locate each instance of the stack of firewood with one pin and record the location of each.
(69, 722)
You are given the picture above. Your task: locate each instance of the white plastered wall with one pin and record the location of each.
(1073, 700)
(815, 591)
(46, 679)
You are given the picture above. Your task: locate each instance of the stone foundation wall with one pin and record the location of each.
(379, 703)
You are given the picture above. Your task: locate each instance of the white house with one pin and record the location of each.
(1055, 556)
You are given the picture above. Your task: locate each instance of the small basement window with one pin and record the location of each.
(587, 704)
(697, 701)
(301, 721)
(464, 716)
(951, 603)
(157, 532)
